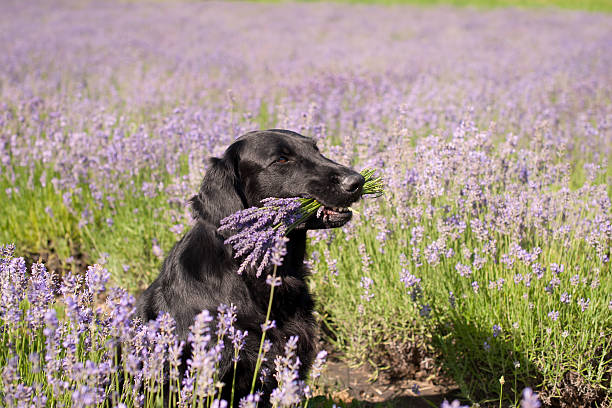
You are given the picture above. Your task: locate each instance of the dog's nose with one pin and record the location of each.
(352, 182)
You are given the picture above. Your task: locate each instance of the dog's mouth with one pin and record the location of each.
(334, 215)
(329, 217)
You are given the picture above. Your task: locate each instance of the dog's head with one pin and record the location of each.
(277, 163)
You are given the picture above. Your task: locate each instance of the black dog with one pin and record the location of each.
(200, 271)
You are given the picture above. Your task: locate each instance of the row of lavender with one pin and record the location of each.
(491, 250)
(61, 346)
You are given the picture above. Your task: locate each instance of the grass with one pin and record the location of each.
(123, 235)
(589, 5)
(458, 333)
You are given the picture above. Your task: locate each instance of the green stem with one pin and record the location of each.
(263, 334)
(233, 383)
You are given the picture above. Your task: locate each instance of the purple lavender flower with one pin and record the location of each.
(451, 299)
(71, 284)
(175, 351)
(317, 366)
(425, 311)
(408, 279)
(250, 401)
(156, 249)
(122, 308)
(217, 403)
(177, 229)
(538, 270)
(200, 330)
(366, 283)
(238, 338)
(274, 281)
(290, 388)
(10, 373)
(40, 295)
(165, 328)
(366, 261)
(15, 393)
(261, 232)
(584, 303)
(7, 251)
(34, 360)
(85, 396)
(226, 317)
(12, 288)
(454, 404)
(475, 286)
(332, 263)
(557, 269)
(555, 282)
(188, 384)
(96, 278)
(464, 270)
(530, 399)
(204, 360)
(270, 324)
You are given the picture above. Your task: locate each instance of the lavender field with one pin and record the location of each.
(488, 257)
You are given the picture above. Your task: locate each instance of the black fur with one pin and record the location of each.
(200, 271)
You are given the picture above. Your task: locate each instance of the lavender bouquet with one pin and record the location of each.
(261, 232)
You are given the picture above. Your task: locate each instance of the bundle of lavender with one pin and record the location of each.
(261, 232)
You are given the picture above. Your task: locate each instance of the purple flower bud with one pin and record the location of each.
(318, 364)
(96, 278)
(454, 404)
(270, 324)
(530, 399)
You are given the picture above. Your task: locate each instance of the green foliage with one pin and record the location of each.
(590, 5)
(122, 234)
(531, 349)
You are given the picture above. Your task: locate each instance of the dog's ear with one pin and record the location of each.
(221, 192)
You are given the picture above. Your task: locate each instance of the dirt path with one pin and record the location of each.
(354, 387)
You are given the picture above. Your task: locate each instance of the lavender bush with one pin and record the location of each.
(65, 346)
(97, 355)
(490, 252)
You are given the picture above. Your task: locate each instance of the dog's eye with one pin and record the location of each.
(282, 160)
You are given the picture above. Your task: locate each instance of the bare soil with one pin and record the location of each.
(363, 387)
(79, 260)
